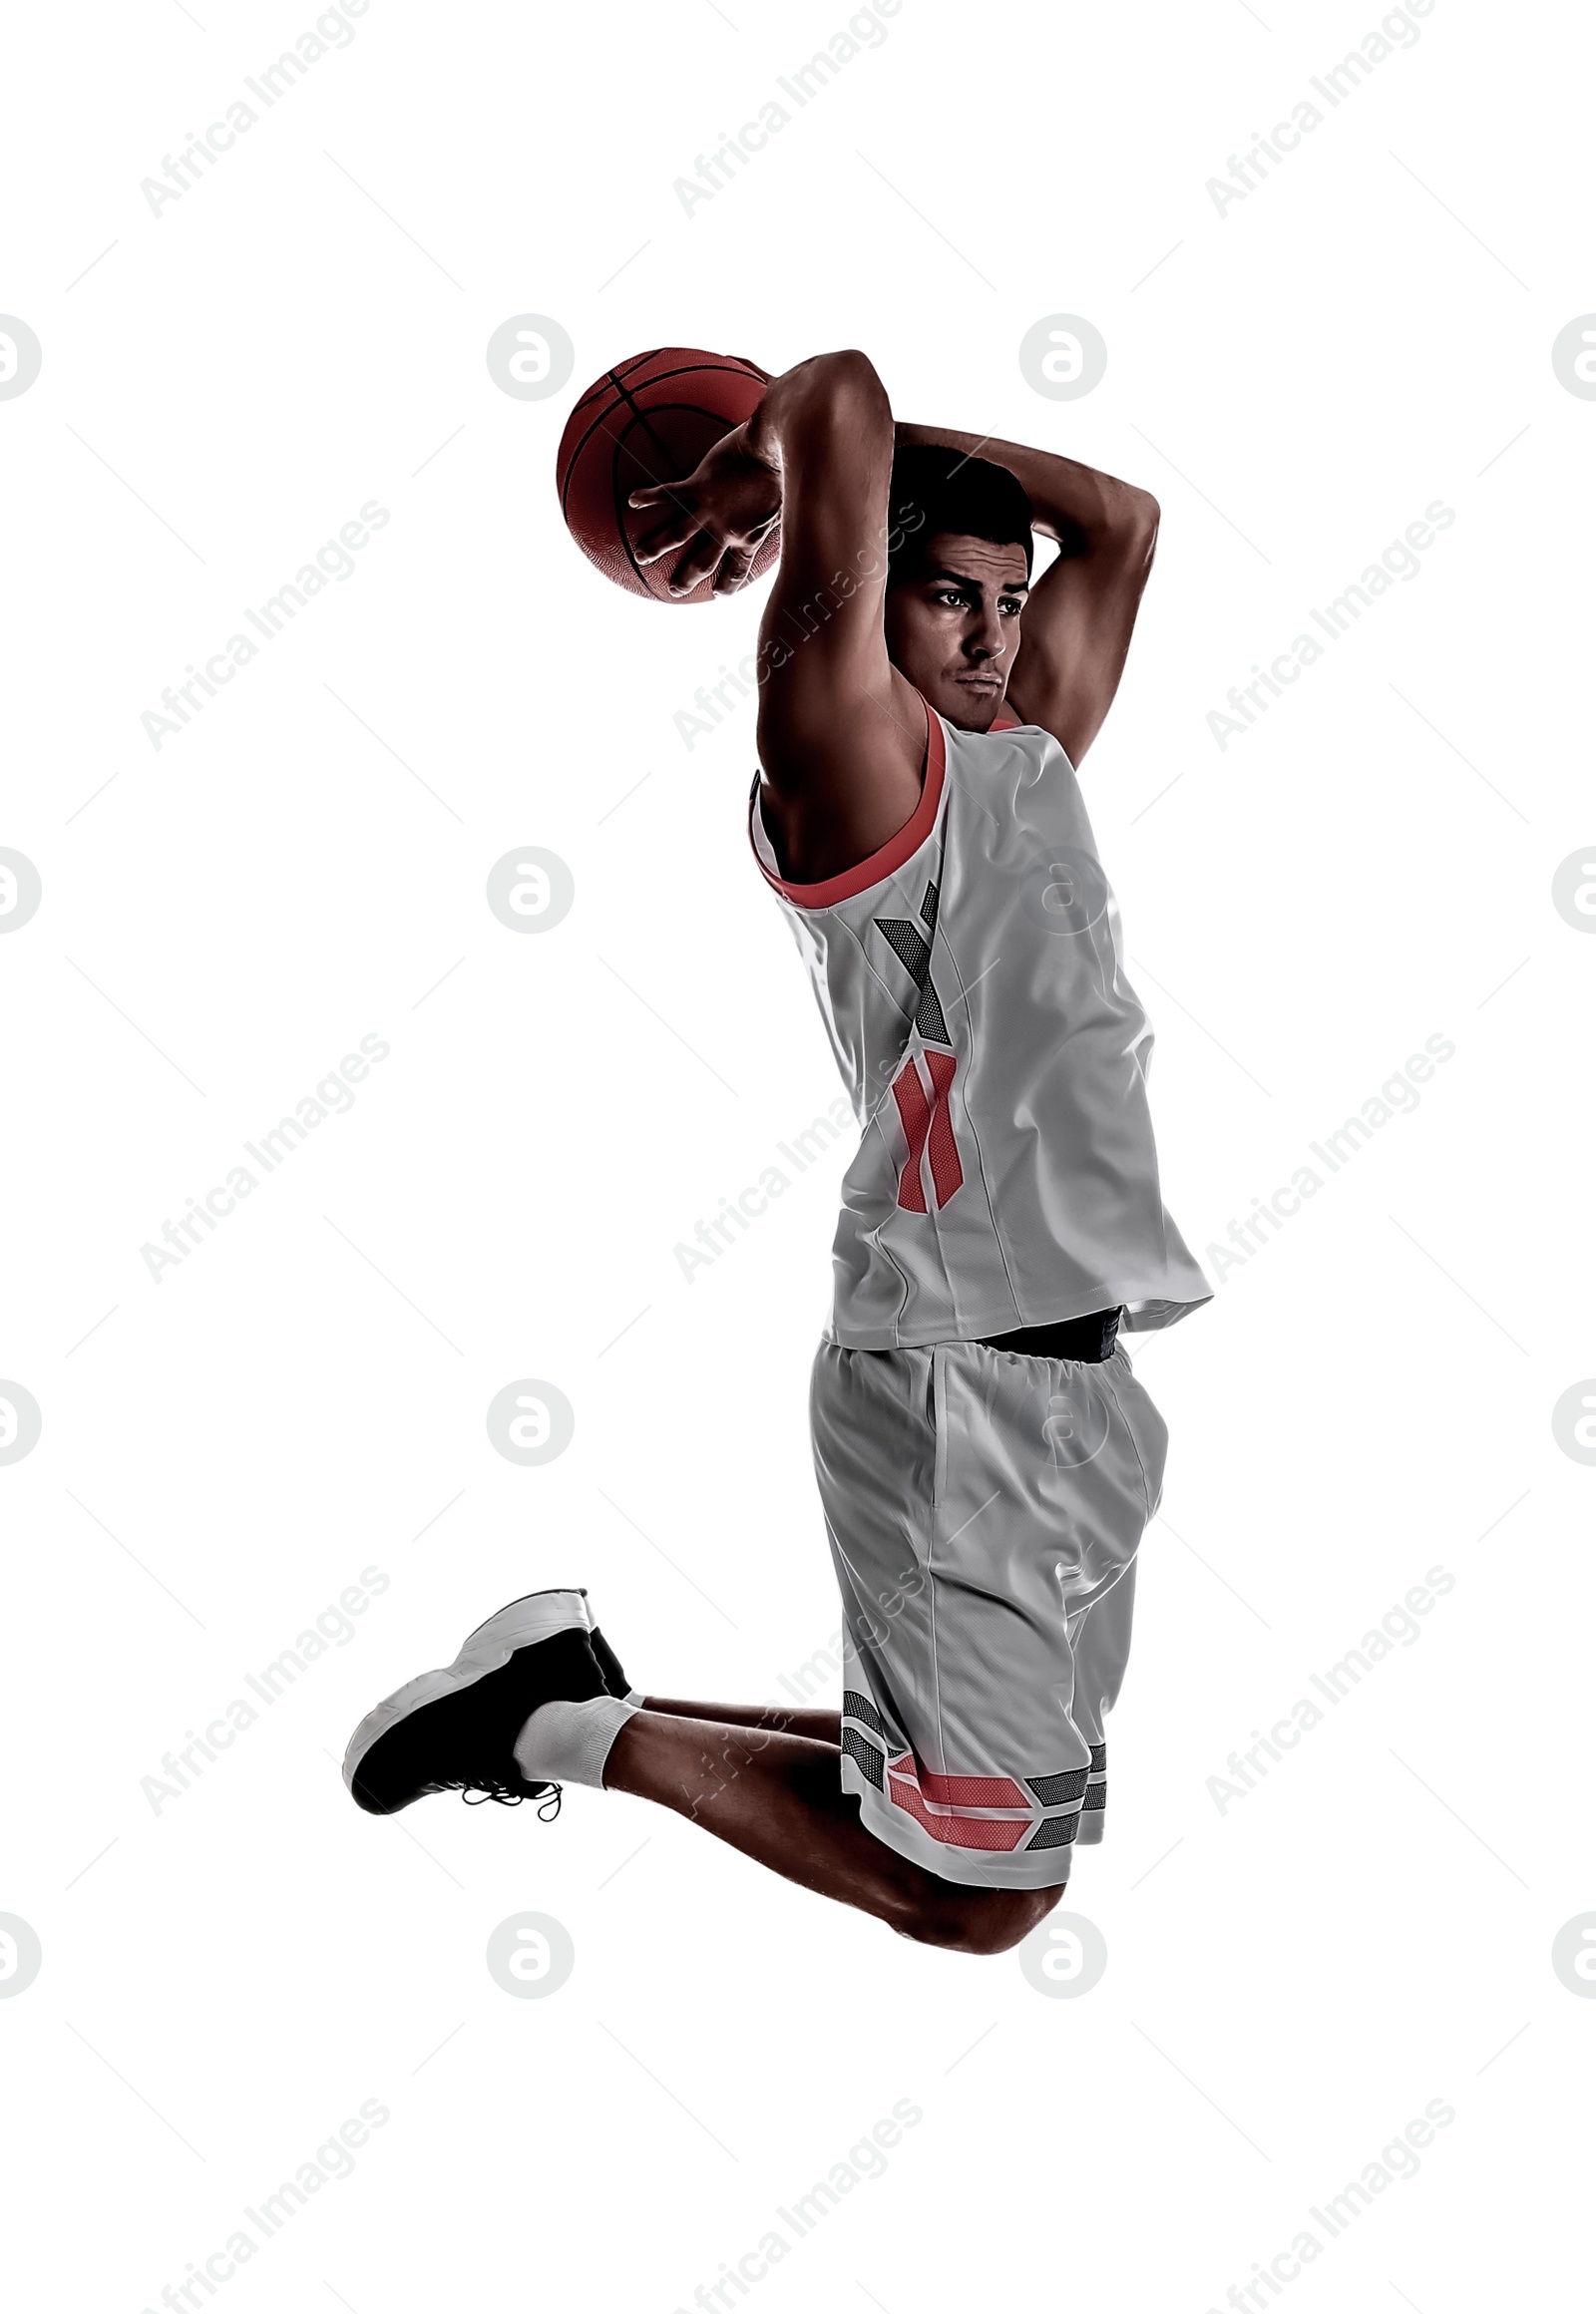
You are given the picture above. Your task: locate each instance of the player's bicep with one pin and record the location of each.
(1075, 636)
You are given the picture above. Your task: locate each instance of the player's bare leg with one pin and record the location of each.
(775, 1796)
(781, 1718)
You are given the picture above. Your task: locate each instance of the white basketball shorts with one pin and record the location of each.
(983, 1510)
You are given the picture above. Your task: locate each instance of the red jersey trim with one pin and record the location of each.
(891, 856)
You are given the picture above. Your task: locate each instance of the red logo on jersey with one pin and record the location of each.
(929, 1129)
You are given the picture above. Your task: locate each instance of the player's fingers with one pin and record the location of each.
(651, 496)
(674, 530)
(735, 565)
(700, 558)
(738, 567)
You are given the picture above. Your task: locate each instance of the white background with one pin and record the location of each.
(1290, 1979)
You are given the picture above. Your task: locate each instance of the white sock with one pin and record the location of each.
(565, 1743)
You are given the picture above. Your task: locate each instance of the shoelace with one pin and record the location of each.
(476, 1789)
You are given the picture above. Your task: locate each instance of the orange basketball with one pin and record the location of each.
(647, 421)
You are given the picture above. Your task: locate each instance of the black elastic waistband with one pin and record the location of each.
(1088, 1341)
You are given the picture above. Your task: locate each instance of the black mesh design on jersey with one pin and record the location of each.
(869, 1759)
(911, 947)
(860, 1707)
(1053, 1832)
(1052, 1790)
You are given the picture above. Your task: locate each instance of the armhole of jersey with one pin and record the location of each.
(1005, 723)
(880, 863)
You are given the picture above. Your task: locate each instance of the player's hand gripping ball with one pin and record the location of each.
(652, 491)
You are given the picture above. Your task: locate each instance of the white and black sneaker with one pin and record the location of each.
(456, 1729)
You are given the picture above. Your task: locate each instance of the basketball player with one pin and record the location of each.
(986, 1460)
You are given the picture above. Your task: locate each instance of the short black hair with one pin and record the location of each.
(936, 488)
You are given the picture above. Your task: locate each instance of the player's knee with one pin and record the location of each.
(979, 1920)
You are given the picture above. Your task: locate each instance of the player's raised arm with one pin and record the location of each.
(1078, 620)
(842, 735)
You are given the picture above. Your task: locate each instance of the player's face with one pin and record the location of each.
(953, 626)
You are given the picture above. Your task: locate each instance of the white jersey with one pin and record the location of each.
(970, 979)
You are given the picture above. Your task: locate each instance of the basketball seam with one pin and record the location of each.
(598, 384)
(643, 417)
